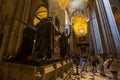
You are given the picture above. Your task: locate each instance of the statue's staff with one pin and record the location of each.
(33, 27)
(28, 25)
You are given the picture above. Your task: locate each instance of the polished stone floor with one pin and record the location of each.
(90, 75)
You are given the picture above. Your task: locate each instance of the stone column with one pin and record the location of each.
(3, 21)
(24, 19)
(9, 12)
(22, 13)
(113, 28)
(52, 7)
(108, 27)
(94, 31)
(103, 25)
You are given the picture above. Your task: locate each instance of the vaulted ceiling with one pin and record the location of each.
(76, 10)
(74, 5)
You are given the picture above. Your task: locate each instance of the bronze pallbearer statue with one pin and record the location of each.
(64, 44)
(42, 34)
(43, 39)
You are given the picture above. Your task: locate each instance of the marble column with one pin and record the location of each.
(21, 14)
(94, 31)
(113, 28)
(3, 21)
(52, 7)
(9, 12)
(108, 27)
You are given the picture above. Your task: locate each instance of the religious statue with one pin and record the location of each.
(25, 49)
(64, 44)
(37, 41)
(43, 39)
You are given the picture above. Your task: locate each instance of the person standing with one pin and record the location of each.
(114, 68)
(94, 62)
(84, 62)
(101, 66)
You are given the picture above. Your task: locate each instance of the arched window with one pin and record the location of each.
(41, 13)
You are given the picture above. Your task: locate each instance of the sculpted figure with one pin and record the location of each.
(43, 40)
(64, 44)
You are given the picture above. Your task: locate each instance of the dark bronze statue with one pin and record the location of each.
(42, 35)
(43, 39)
(64, 44)
(25, 49)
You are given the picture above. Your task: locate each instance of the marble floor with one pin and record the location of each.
(89, 75)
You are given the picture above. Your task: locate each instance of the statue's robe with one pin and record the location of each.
(64, 44)
(44, 40)
(25, 49)
(43, 37)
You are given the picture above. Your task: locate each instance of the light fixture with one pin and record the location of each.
(81, 31)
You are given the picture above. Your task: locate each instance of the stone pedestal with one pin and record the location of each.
(55, 71)
(13, 71)
(59, 74)
(48, 72)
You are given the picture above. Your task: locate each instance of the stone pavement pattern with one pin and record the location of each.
(90, 76)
